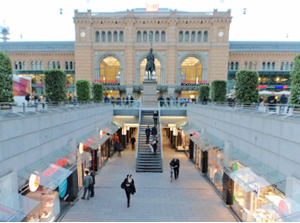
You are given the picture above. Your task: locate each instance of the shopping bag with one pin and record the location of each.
(151, 149)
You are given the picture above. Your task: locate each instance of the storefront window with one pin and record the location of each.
(215, 172)
(70, 79)
(40, 78)
(109, 68)
(198, 157)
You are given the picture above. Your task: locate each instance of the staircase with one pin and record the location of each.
(147, 161)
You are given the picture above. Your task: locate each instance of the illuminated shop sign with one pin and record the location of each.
(107, 82)
(34, 182)
(193, 82)
(51, 170)
(152, 7)
(262, 86)
(281, 87)
(41, 85)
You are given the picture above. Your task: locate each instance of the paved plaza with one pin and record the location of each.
(189, 198)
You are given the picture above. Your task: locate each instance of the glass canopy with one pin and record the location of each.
(189, 128)
(14, 207)
(207, 141)
(93, 139)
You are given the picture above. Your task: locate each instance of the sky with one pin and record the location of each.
(40, 20)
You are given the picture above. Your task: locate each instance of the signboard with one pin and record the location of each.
(107, 82)
(62, 189)
(261, 86)
(152, 7)
(193, 82)
(281, 87)
(52, 169)
(34, 182)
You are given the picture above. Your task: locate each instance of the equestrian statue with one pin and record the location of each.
(150, 67)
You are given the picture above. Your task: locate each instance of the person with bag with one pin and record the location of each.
(128, 186)
(87, 182)
(92, 174)
(175, 164)
(154, 145)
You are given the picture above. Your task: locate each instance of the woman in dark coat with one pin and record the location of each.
(128, 185)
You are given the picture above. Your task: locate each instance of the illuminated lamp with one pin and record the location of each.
(81, 148)
(67, 85)
(101, 133)
(34, 182)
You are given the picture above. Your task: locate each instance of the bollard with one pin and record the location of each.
(23, 107)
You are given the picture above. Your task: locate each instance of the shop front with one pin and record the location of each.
(52, 181)
(183, 139)
(255, 186)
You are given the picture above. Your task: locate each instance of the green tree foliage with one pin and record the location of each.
(97, 92)
(203, 91)
(218, 90)
(245, 87)
(295, 74)
(83, 90)
(6, 79)
(55, 83)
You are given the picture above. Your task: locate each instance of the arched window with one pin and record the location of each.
(286, 65)
(254, 65)
(20, 65)
(273, 66)
(180, 36)
(186, 36)
(193, 36)
(32, 65)
(205, 36)
(191, 70)
(16, 65)
(151, 36)
(236, 65)
(109, 36)
(199, 36)
(58, 64)
(157, 36)
(103, 36)
(281, 65)
(24, 65)
(231, 66)
(97, 37)
(53, 65)
(268, 66)
(245, 65)
(145, 36)
(163, 36)
(66, 65)
(138, 36)
(291, 66)
(109, 69)
(41, 65)
(49, 65)
(71, 65)
(250, 66)
(121, 36)
(264, 66)
(115, 36)
(37, 65)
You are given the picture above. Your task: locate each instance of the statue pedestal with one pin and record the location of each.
(149, 94)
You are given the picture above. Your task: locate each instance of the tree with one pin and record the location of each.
(245, 87)
(6, 79)
(203, 91)
(295, 75)
(97, 92)
(83, 90)
(55, 83)
(218, 90)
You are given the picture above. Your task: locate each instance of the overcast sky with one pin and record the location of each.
(39, 20)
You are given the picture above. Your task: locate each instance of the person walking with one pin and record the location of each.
(169, 101)
(132, 142)
(87, 182)
(154, 132)
(27, 98)
(148, 132)
(175, 164)
(204, 100)
(92, 174)
(283, 100)
(43, 101)
(154, 145)
(128, 186)
(155, 117)
(231, 101)
(181, 102)
(272, 102)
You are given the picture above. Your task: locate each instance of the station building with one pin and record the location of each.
(190, 48)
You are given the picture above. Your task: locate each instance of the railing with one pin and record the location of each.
(138, 138)
(272, 109)
(125, 104)
(160, 135)
(174, 105)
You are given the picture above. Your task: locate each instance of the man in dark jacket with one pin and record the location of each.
(175, 164)
(169, 101)
(27, 98)
(272, 102)
(231, 101)
(154, 132)
(155, 116)
(148, 132)
(132, 142)
(92, 174)
(283, 99)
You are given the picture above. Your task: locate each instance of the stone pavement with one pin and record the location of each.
(189, 198)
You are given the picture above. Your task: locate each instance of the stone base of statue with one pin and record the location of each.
(149, 99)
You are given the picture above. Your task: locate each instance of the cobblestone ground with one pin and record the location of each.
(189, 198)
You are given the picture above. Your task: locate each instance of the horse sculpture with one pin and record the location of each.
(150, 67)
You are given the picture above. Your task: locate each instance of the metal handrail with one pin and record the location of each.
(140, 117)
(161, 143)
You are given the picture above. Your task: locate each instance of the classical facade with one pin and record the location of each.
(190, 48)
